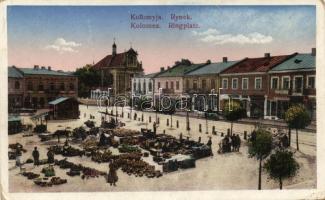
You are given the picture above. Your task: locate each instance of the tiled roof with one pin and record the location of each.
(58, 100)
(262, 64)
(114, 61)
(40, 71)
(110, 61)
(152, 75)
(14, 73)
(213, 68)
(179, 70)
(298, 62)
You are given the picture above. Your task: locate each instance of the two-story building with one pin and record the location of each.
(247, 81)
(41, 85)
(293, 81)
(15, 89)
(202, 84)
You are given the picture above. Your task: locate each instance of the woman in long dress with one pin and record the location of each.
(112, 175)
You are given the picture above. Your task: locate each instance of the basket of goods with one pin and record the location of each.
(101, 156)
(58, 181)
(124, 148)
(42, 183)
(48, 171)
(70, 151)
(90, 143)
(89, 123)
(17, 146)
(79, 133)
(91, 173)
(30, 175)
(122, 132)
(73, 173)
(29, 160)
(56, 149)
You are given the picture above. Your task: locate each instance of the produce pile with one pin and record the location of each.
(122, 132)
(48, 171)
(30, 175)
(124, 148)
(90, 124)
(100, 157)
(17, 146)
(68, 151)
(54, 181)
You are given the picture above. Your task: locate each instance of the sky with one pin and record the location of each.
(69, 37)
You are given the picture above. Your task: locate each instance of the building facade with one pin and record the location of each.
(118, 69)
(15, 89)
(202, 84)
(293, 81)
(40, 85)
(248, 82)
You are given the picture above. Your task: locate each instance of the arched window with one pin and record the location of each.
(17, 85)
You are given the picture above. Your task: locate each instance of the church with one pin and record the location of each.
(118, 69)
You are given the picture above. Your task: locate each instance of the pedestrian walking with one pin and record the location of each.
(238, 142)
(35, 155)
(50, 156)
(112, 177)
(18, 159)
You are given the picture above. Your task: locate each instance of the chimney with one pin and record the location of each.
(267, 55)
(162, 69)
(49, 68)
(36, 67)
(168, 67)
(313, 51)
(43, 67)
(224, 59)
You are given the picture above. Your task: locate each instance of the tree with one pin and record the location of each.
(281, 165)
(297, 117)
(88, 77)
(260, 147)
(232, 112)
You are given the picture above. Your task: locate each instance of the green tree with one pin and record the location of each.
(297, 118)
(260, 147)
(233, 111)
(88, 78)
(281, 165)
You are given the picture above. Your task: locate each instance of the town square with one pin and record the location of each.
(113, 109)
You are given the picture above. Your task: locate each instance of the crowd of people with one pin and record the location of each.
(230, 144)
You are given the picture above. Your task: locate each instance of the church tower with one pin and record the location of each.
(114, 48)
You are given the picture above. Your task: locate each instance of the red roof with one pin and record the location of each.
(262, 64)
(110, 61)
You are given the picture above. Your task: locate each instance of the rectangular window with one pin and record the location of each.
(195, 84)
(158, 85)
(298, 84)
(286, 83)
(213, 84)
(187, 84)
(204, 84)
(245, 83)
(234, 84)
(274, 82)
(258, 83)
(311, 82)
(172, 85)
(177, 85)
(225, 83)
(166, 85)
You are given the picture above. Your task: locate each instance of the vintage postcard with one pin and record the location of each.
(209, 100)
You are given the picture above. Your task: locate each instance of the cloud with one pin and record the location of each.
(216, 37)
(61, 45)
